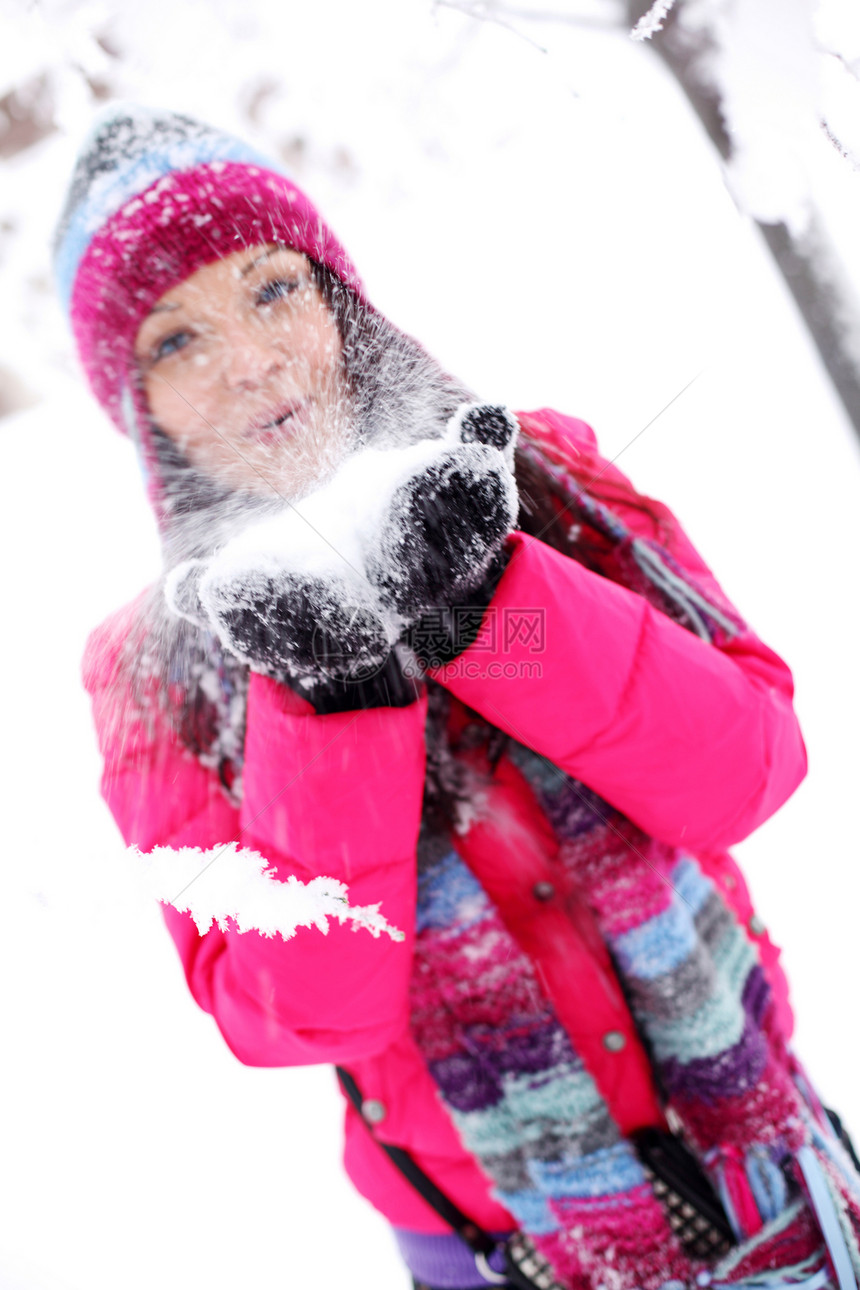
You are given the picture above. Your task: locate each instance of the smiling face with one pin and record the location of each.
(242, 366)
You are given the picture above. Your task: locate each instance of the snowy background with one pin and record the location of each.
(533, 198)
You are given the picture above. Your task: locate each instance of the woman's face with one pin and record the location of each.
(242, 366)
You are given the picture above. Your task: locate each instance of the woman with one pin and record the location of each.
(452, 658)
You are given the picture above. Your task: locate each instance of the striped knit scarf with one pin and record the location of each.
(520, 1096)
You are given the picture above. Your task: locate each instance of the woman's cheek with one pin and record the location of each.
(326, 349)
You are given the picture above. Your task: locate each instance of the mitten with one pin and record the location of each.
(391, 686)
(445, 526)
(439, 635)
(306, 632)
(440, 553)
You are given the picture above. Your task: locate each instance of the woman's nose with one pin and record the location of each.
(250, 359)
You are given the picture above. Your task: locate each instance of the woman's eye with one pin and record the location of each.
(171, 344)
(278, 288)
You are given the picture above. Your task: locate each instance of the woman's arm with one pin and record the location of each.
(697, 744)
(338, 795)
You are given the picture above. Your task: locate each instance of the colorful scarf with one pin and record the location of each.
(520, 1096)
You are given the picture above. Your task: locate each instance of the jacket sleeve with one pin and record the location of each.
(697, 744)
(336, 795)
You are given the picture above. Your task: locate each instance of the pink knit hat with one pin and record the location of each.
(153, 198)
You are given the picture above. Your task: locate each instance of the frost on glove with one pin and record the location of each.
(303, 631)
(440, 553)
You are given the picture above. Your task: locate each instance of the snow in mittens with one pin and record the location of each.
(335, 532)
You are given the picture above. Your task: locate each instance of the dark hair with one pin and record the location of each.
(387, 369)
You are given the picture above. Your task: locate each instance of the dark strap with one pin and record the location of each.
(475, 1237)
(684, 1187)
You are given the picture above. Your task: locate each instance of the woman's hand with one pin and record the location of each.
(293, 623)
(305, 632)
(301, 634)
(445, 527)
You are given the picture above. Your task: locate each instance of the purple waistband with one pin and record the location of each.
(444, 1262)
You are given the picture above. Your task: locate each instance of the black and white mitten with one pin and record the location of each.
(323, 638)
(440, 552)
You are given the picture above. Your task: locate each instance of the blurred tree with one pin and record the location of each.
(711, 47)
(805, 253)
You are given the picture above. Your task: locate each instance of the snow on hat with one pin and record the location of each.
(154, 197)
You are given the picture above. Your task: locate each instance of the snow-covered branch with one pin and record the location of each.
(847, 155)
(503, 15)
(652, 21)
(235, 883)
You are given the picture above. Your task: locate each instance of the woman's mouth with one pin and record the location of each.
(271, 426)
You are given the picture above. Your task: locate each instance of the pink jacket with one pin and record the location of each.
(697, 745)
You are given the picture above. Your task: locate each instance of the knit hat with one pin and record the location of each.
(154, 197)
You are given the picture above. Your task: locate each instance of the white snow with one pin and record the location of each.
(497, 201)
(652, 21)
(230, 884)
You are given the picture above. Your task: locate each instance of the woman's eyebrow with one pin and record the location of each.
(258, 259)
(161, 309)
